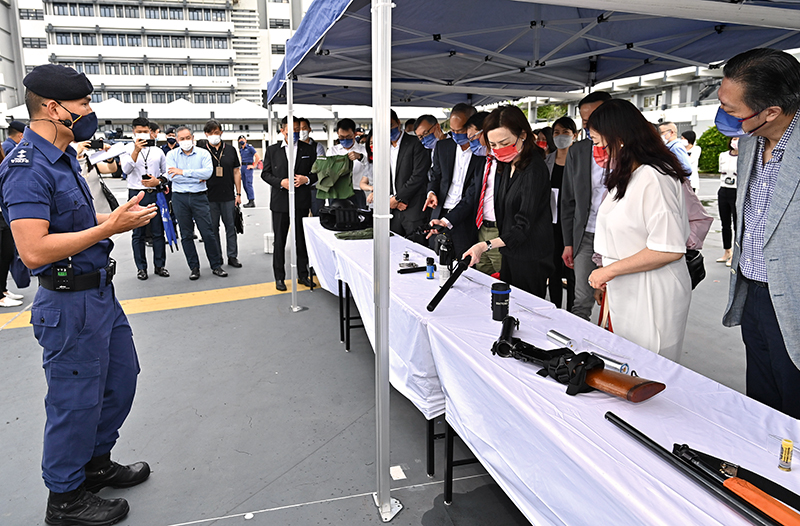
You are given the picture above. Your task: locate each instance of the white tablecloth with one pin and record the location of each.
(555, 455)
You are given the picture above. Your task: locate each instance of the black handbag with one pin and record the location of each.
(697, 269)
(238, 220)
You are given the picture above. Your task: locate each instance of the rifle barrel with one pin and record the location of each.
(461, 267)
(755, 515)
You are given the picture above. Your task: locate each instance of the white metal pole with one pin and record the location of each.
(381, 107)
(290, 150)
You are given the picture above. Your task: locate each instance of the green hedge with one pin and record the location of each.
(713, 143)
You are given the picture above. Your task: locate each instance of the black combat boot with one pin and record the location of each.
(102, 472)
(81, 508)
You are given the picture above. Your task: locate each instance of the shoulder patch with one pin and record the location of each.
(22, 156)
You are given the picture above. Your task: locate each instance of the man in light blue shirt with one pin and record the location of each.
(189, 168)
(669, 134)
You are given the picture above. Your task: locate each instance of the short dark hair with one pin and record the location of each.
(428, 119)
(548, 138)
(477, 120)
(690, 136)
(410, 122)
(285, 121)
(769, 78)
(33, 102)
(463, 109)
(394, 117)
(301, 120)
(140, 121)
(154, 126)
(567, 124)
(212, 125)
(595, 96)
(512, 118)
(346, 124)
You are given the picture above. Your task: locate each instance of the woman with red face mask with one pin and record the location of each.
(521, 202)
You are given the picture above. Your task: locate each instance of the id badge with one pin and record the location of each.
(219, 171)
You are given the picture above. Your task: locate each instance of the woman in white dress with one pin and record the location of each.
(642, 229)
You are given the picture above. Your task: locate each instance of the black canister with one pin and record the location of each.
(501, 292)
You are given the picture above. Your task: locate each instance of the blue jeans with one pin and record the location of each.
(247, 182)
(157, 229)
(225, 210)
(193, 209)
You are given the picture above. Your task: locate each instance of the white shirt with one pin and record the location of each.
(286, 149)
(598, 190)
(151, 161)
(394, 152)
(359, 167)
(459, 177)
(727, 169)
(488, 196)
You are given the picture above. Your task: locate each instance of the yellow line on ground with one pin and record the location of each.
(16, 320)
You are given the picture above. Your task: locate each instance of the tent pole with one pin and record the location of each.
(381, 107)
(292, 208)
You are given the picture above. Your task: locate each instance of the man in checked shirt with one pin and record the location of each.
(759, 101)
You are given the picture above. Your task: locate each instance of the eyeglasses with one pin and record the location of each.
(426, 132)
(474, 137)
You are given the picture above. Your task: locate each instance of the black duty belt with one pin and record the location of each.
(91, 280)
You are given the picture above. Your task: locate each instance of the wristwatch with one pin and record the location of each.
(488, 245)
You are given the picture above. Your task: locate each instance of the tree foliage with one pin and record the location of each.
(713, 143)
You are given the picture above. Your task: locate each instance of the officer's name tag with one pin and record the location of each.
(219, 171)
(22, 157)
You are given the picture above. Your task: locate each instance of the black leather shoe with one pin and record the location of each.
(234, 262)
(85, 509)
(249, 204)
(114, 475)
(141, 274)
(280, 285)
(219, 272)
(195, 274)
(307, 282)
(161, 271)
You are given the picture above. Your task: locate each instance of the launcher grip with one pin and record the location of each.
(631, 388)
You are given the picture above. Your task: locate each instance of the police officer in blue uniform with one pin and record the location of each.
(250, 159)
(89, 358)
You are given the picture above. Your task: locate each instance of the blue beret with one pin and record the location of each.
(17, 125)
(52, 81)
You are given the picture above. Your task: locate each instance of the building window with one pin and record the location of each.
(135, 40)
(175, 13)
(279, 23)
(60, 9)
(156, 69)
(159, 97)
(181, 95)
(178, 41)
(73, 9)
(112, 68)
(109, 40)
(278, 49)
(201, 98)
(34, 43)
(139, 97)
(223, 98)
(198, 42)
(89, 39)
(137, 69)
(63, 39)
(207, 15)
(107, 11)
(31, 14)
(97, 97)
(91, 68)
(86, 9)
(168, 69)
(220, 43)
(114, 95)
(181, 70)
(76, 39)
(195, 14)
(222, 71)
(126, 97)
(218, 15)
(79, 67)
(209, 43)
(131, 11)
(198, 70)
(153, 41)
(120, 12)
(151, 12)
(212, 98)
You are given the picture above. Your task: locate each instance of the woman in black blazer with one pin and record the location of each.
(521, 201)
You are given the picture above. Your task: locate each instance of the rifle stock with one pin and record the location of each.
(631, 388)
(764, 502)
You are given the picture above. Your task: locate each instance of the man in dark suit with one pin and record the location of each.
(581, 194)
(450, 176)
(410, 162)
(276, 174)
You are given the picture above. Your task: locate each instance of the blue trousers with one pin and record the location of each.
(772, 378)
(247, 182)
(91, 366)
(191, 209)
(157, 230)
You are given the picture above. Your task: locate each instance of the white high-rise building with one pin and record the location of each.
(143, 51)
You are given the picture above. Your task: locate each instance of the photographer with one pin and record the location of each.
(145, 166)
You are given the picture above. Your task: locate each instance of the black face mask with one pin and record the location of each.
(172, 141)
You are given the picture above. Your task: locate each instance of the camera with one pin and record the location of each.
(96, 144)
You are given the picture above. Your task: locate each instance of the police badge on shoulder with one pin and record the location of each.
(22, 157)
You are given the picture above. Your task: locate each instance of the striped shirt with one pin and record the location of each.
(756, 206)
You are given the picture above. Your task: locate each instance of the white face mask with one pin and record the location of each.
(664, 138)
(304, 135)
(141, 136)
(562, 141)
(214, 139)
(186, 145)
